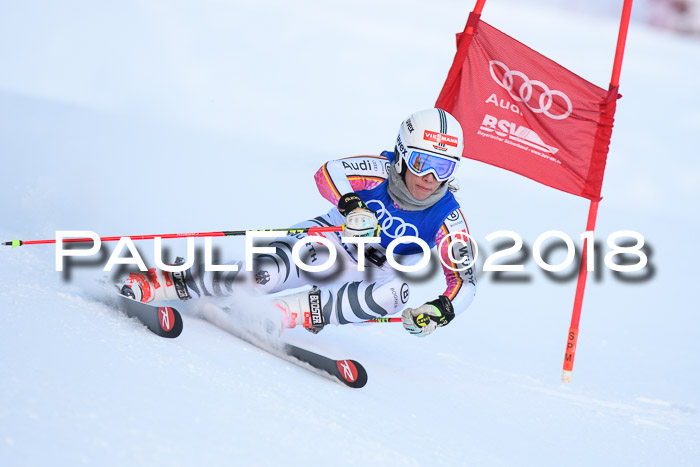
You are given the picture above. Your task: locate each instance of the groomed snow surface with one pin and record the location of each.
(157, 117)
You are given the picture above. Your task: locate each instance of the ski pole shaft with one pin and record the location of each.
(223, 233)
(383, 320)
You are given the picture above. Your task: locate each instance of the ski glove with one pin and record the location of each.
(423, 320)
(360, 221)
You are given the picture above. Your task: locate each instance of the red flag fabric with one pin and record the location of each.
(525, 113)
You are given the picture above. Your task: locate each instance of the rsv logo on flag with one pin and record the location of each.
(517, 135)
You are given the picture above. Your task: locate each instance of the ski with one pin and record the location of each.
(347, 372)
(164, 321)
(167, 322)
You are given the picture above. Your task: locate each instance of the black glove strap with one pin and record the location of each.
(443, 304)
(349, 202)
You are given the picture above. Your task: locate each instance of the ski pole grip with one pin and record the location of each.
(13, 243)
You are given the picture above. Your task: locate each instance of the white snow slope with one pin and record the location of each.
(145, 117)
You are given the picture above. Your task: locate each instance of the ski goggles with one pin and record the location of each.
(421, 163)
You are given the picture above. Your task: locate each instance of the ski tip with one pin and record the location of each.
(170, 322)
(352, 373)
(164, 321)
(347, 372)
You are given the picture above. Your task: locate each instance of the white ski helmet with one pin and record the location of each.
(429, 141)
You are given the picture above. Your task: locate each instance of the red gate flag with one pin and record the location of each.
(525, 113)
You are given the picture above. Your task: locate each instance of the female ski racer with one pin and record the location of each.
(404, 193)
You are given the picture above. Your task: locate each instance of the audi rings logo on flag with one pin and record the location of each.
(387, 222)
(524, 92)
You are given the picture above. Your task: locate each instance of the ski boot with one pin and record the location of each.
(156, 285)
(303, 308)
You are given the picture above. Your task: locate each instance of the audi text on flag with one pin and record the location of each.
(525, 113)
